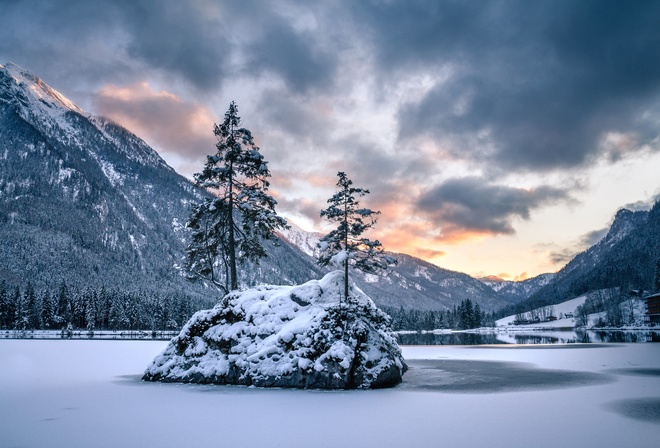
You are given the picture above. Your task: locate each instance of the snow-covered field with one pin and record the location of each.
(560, 309)
(89, 394)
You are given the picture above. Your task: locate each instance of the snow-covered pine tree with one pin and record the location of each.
(21, 310)
(31, 307)
(230, 228)
(209, 242)
(345, 245)
(47, 311)
(4, 306)
(90, 311)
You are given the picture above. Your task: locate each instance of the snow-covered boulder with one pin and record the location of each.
(286, 336)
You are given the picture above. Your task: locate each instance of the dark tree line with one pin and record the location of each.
(93, 309)
(466, 316)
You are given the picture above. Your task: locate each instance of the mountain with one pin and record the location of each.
(514, 292)
(417, 284)
(412, 283)
(625, 258)
(305, 241)
(86, 202)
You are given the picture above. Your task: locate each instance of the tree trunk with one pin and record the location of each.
(232, 242)
(346, 249)
(345, 281)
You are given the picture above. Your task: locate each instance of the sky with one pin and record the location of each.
(495, 137)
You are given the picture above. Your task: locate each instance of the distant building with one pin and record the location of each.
(653, 308)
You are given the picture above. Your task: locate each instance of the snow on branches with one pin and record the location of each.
(345, 245)
(230, 227)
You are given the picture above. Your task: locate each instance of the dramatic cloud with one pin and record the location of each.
(543, 82)
(184, 38)
(465, 206)
(399, 94)
(293, 57)
(515, 85)
(161, 118)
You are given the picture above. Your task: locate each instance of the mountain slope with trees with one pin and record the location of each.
(625, 259)
(87, 203)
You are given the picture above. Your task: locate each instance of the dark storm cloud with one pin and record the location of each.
(469, 205)
(101, 41)
(545, 80)
(292, 117)
(372, 168)
(180, 37)
(70, 44)
(292, 56)
(196, 41)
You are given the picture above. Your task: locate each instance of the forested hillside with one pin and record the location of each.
(625, 259)
(87, 204)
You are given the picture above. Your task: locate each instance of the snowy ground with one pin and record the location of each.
(560, 309)
(89, 394)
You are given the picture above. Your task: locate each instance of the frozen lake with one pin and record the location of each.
(82, 393)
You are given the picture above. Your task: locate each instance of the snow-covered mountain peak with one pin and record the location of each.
(55, 115)
(302, 239)
(38, 89)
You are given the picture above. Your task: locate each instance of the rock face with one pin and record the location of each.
(286, 336)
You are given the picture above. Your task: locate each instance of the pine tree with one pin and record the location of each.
(209, 241)
(230, 228)
(90, 311)
(117, 319)
(47, 311)
(478, 316)
(345, 245)
(4, 306)
(31, 312)
(20, 310)
(467, 315)
(63, 310)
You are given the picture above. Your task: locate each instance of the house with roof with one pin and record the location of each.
(652, 308)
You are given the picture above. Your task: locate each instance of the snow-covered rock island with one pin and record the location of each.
(286, 336)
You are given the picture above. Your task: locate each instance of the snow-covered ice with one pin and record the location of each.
(88, 393)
